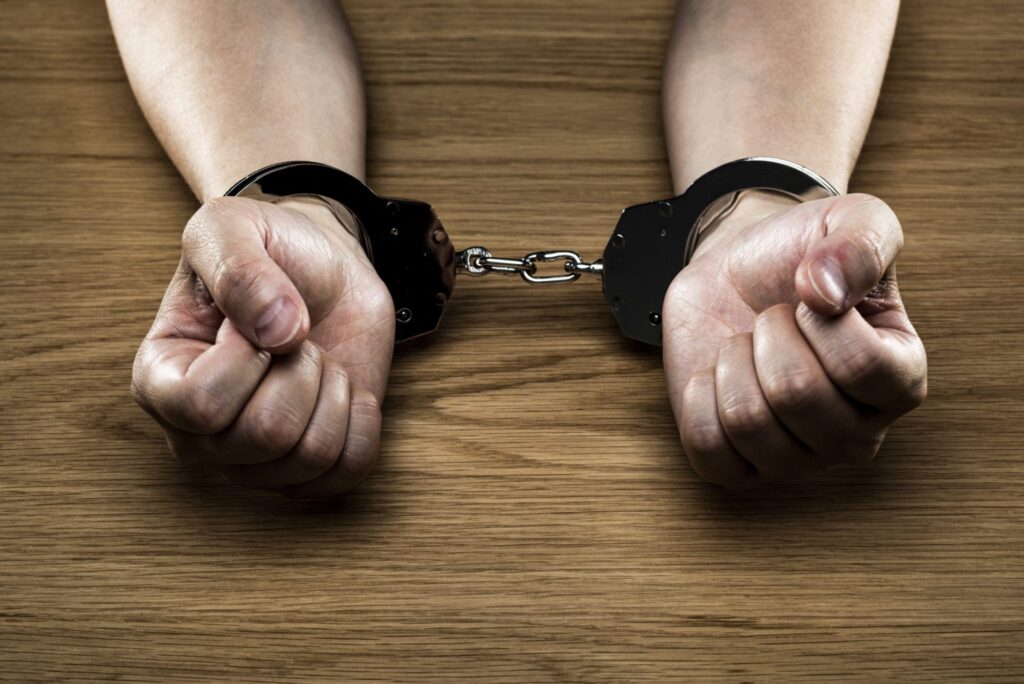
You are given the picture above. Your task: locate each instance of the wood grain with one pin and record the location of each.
(532, 518)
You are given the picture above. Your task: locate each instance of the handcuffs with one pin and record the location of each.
(414, 257)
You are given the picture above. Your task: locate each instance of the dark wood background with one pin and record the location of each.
(532, 518)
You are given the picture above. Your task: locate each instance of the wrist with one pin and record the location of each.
(329, 214)
(750, 207)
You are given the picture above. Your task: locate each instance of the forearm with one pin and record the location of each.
(234, 85)
(785, 78)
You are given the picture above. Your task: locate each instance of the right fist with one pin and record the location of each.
(269, 356)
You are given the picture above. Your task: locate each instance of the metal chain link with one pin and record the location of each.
(478, 261)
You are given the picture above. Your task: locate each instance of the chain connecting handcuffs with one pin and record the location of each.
(651, 243)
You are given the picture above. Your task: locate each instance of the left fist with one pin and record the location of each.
(787, 347)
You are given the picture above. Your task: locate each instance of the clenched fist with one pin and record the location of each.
(787, 347)
(269, 356)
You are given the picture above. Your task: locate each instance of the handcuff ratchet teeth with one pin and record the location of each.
(651, 243)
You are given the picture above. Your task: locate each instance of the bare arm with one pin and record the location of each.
(234, 85)
(786, 343)
(274, 370)
(790, 79)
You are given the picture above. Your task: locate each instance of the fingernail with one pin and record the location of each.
(828, 281)
(278, 323)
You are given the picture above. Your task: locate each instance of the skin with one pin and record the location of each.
(787, 347)
(269, 356)
(270, 352)
(298, 413)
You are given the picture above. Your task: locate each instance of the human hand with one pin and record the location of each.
(269, 356)
(786, 344)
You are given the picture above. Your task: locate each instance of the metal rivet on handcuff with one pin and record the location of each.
(651, 243)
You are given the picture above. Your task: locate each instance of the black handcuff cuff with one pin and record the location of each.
(651, 243)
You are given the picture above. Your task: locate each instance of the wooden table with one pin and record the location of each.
(533, 517)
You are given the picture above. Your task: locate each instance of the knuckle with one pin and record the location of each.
(308, 363)
(744, 418)
(775, 315)
(854, 366)
(316, 454)
(702, 441)
(276, 430)
(310, 357)
(794, 392)
(359, 461)
(366, 410)
(190, 404)
(236, 278)
(743, 340)
(203, 410)
(709, 467)
(866, 250)
(882, 222)
(361, 446)
(700, 386)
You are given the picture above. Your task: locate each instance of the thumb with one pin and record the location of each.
(862, 237)
(225, 244)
